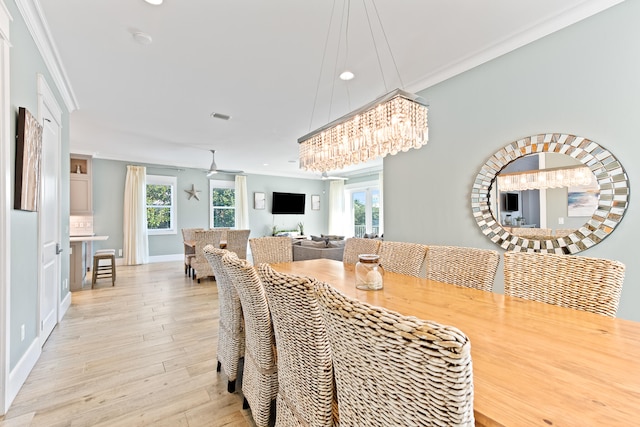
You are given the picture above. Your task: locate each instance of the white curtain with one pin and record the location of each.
(336, 208)
(242, 203)
(136, 245)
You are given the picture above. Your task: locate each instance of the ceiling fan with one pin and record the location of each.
(213, 169)
(326, 176)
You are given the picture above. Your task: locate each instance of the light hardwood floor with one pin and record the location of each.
(140, 353)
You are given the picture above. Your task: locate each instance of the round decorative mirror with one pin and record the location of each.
(553, 192)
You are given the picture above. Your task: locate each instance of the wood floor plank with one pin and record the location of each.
(140, 353)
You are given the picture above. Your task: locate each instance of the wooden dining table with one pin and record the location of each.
(534, 364)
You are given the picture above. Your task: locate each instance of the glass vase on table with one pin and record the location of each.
(369, 272)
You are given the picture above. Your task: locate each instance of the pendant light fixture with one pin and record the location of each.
(394, 122)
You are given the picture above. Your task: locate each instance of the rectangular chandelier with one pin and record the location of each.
(545, 178)
(394, 122)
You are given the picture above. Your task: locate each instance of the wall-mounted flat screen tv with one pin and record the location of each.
(511, 202)
(287, 203)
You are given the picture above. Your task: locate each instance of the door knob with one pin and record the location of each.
(58, 249)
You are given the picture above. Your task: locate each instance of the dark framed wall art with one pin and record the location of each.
(28, 161)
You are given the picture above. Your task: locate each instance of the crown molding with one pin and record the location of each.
(33, 16)
(533, 32)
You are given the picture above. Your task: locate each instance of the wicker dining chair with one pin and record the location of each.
(306, 394)
(224, 230)
(189, 251)
(260, 374)
(200, 265)
(230, 321)
(393, 370)
(532, 233)
(355, 246)
(271, 250)
(470, 267)
(403, 258)
(581, 283)
(237, 241)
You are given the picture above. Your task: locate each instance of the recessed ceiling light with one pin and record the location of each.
(142, 38)
(347, 75)
(220, 116)
(154, 2)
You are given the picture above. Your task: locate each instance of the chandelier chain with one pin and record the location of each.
(324, 54)
(384, 33)
(375, 46)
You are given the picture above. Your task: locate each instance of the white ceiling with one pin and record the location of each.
(260, 62)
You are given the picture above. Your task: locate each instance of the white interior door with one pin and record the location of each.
(49, 226)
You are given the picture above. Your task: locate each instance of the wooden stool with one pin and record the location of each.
(104, 271)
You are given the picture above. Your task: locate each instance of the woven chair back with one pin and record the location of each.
(393, 370)
(188, 235)
(305, 371)
(581, 283)
(224, 230)
(231, 321)
(203, 238)
(403, 258)
(260, 375)
(271, 250)
(237, 241)
(355, 246)
(470, 267)
(530, 232)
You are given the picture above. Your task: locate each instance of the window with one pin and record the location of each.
(223, 204)
(161, 204)
(364, 202)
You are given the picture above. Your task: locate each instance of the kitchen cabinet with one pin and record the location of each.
(80, 185)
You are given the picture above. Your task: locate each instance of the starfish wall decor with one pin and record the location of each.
(193, 192)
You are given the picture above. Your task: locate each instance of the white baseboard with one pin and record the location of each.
(64, 306)
(166, 258)
(19, 374)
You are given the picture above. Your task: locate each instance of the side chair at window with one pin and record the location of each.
(200, 265)
(189, 250)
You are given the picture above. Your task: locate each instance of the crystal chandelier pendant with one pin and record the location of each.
(395, 122)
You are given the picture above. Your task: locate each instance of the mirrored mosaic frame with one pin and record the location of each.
(612, 204)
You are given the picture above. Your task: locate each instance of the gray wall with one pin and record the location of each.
(583, 80)
(108, 200)
(26, 63)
